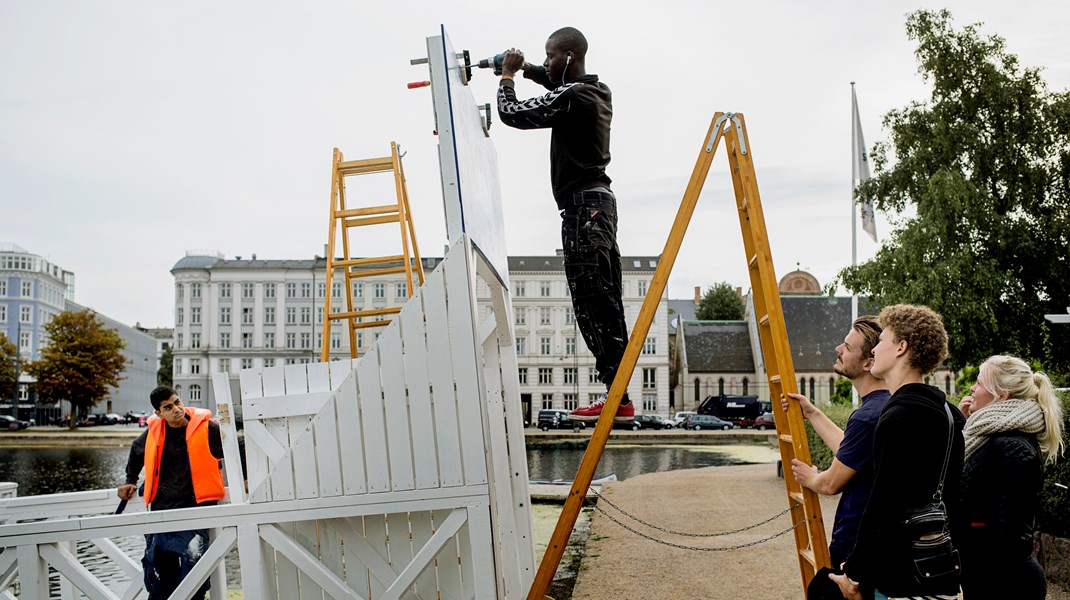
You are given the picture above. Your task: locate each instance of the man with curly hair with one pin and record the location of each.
(909, 445)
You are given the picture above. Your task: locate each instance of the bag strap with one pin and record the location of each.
(938, 496)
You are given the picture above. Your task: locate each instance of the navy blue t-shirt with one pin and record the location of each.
(856, 452)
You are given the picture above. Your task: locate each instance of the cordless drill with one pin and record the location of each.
(494, 62)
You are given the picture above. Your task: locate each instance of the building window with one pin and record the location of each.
(178, 316)
(642, 288)
(336, 341)
(269, 339)
(269, 290)
(27, 289)
(224, 290)
(224, 339)
(521, 346)
(321, 289)
(291, 290)
(3, 314)
(544, 346)
(291, 341)
(650, 346)
(811, 388)
(195, 340)
(306, 290)
(25, 341)
(306, 341)
(520, 289)
(177, 366)
(195, 315)
(698, 397)
(319, 315)
(379, 290)
(224, 315)
(360, 339)
(544, 315)
(650, 379)
(336, 290)
(570, 345)
(246, 363)
(291, 315)
(358, 290)
(650, 402)
(269, 315)
(194, 366)
(570, 375)
(544, 289)
(546, 376)
(802, 385)
(306, 315)
(247, 316)
(521, 316)
(592, 375)
(523, 376)
(246, 290)
(947, 385)
(832, 386)
(195, 393)
(3, 289)
(570, 316)
(592, 398)
(269, 362)
(401, 290)
(570, 402)
(194, 290)
(720, 386)
(746, 385)
(25, 314)
(179, 340)
(224, 365)
(547, 401)
(246, 340)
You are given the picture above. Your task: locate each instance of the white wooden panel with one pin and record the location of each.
(257, 561)
(65, 562)
(256, 461)
(67, 591)
(285, 570)
(302, 443)
(282, 484)
(306, 534)
(357, 570)
(423, 558)
(231, 453)
(290, 405)
(450, 560)
(440, 368)
(460, 306)
(481, 565)
(328, 461)
(350, 436)
(331, 548)
(373, 423)
(420, 525)
(413, 335)
(33, 572)
(207, 564)
(376, 536)
(319, 377)
(396, 407)
(340, 369)
(285, 545)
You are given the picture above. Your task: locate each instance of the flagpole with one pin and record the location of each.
(854, 214)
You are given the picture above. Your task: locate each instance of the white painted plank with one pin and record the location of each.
(67, 591)
(424, 557)
(33, 572)
(319, 377)
(65, 562)
(281, 469)
(207, 563)
(340, 369)
(375, 535)
(330, 582)
(481, 564)
(291, 405)
(218, 578)
(286, 571)
(231, 453)
(440, 368)
(257, 561)
(360, 552)
(350, 436)
(396, 409)
(328, 461)
(302, 442)
(306, 534)
(425, 459)
(358, 574)
(256, 461)
(420, 525)
(460, 306)
(331, 548)
(450, 561)
(373, 423)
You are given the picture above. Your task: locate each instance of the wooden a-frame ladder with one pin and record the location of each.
(356, 268)
(809, 530)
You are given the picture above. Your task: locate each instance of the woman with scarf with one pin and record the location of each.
(1014, 423)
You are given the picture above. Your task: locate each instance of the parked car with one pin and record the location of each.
(134, 417)
(633, 424)
(698, 422)
(13, 424)
(679, 418)
(765, 421)
(557, 418)
(111, 419)
(654, 422)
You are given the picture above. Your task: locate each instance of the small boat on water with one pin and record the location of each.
(599, 481)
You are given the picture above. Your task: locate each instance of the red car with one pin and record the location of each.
(765, 421)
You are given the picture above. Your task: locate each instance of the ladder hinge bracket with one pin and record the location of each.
(716, 131)
(739, 133)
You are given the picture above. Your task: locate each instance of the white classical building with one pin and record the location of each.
(243, 313)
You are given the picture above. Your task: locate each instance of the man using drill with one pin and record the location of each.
(578, 110)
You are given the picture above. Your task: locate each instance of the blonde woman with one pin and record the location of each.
(1014, 424)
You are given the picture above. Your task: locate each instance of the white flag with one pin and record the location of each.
(860, 168)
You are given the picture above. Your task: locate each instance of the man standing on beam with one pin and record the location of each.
(578, 110)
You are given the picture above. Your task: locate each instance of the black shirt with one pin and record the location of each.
(175, 487)
(579, 114)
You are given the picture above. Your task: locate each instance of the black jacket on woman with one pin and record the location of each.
(908, 452)
(1001, 484)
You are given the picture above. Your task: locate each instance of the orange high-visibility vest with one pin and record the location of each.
(204, 468)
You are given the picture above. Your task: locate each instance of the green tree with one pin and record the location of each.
(842, 392)
(978, 182)
(165, 375)
(81, 360)
(720, 303)
(9, 368)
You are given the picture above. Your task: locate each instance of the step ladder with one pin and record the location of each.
(809, 530)
(344, 218)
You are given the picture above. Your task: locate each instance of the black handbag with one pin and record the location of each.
(934, 556)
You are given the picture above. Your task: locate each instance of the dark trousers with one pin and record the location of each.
(592, 268)
(169, 557)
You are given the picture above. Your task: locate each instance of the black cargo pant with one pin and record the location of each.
(592, 268)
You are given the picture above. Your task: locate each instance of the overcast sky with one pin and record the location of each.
(132, 132)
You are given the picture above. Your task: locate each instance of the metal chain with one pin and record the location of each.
(697, 548)
(602, 498)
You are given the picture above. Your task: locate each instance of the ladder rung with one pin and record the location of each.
(367, 324)
(808, 554)
(774, 379)
(786, 437)
(764, 320)
(374, 260)
(383, 209)
(353, 222)
(368, 165)
(743, 205)
(753, 261)
(353, 314)
(798, 497)
(378, 272)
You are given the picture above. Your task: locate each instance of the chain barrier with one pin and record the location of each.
(647, 536)
(602, 498)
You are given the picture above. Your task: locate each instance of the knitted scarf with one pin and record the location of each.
(1007, 415)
